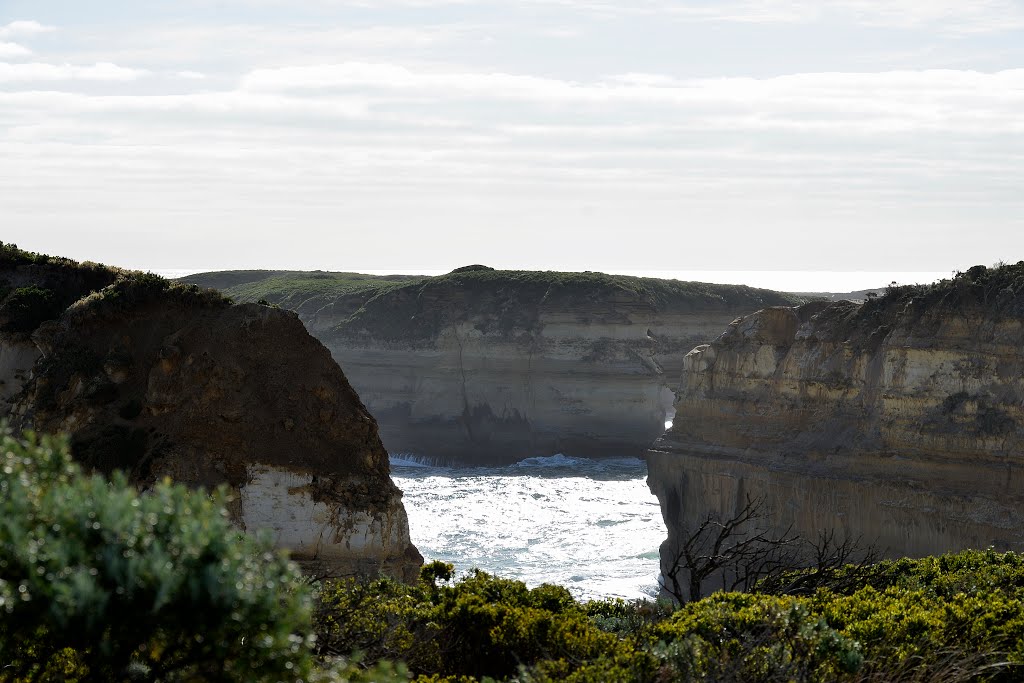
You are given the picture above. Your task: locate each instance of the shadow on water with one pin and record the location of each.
(407, 466)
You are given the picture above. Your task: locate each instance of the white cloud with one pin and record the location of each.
(30, 72)
(398, 77)
(889, 101)
(8, 50)
(191, 75)
(254, 45)
(952, 16)
(23, 29)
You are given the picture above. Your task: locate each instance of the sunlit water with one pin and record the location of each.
(589, 525)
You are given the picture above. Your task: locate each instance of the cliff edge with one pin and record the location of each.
(899, 421)
(165, 380)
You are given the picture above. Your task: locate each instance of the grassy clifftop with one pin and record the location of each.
(993, 293)
(302, 291)
(410, 306)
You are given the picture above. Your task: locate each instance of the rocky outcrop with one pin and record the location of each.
(168, 381)
(899, 422)
(488, 366)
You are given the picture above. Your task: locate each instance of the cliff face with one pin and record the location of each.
(899, 421)
(163, 381)
(496, 366)
(592, 388)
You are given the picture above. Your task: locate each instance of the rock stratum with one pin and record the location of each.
(162, 380)
(899, 422)
(489, 366)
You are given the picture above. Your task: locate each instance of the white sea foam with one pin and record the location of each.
(589, 525)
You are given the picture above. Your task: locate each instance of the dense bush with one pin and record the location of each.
(98, 582)
(26, 307)
(752, 637)
(952, 618)
(135, 289)
(993, 293)
(479, 626)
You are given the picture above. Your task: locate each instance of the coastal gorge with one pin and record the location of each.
(162, 380)
(895, 422)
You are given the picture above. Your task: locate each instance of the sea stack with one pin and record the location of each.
(161, 380)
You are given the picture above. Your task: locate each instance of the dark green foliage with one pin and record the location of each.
(97, 581)
(54, 284)
(953, 618)
(999, 289)
(135, 290)
(469, 269)
(479, 626)
(747, 637)
(995, 293)
(11, 256)
(26, 307)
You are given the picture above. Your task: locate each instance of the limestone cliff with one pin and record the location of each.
(159, 380)
(899, 421)
(491, 366)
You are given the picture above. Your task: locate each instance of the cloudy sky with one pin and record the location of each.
(574, 134)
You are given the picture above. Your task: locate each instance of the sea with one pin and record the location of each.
(589, 525)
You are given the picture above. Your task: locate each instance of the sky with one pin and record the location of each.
(421, 135)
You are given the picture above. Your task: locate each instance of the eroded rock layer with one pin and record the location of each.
(159, 380)
(899, 422)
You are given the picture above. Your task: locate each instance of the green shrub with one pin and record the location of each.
(27, 307)
(750, 637)
(476, 627)
(98, 582)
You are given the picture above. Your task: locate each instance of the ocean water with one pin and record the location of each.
(592, 526)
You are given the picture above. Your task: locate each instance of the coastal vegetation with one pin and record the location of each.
(100, 582)
(35, 288)
(406, 306)
(997, 291)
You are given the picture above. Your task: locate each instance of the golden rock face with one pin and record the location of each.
(909, 435)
